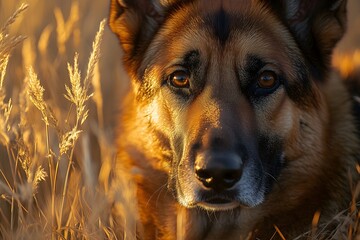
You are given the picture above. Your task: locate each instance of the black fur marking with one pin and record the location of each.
(220, 23)
(192, 60)
(193, 63)
(253, 65)
(251, 69)
(299, 90)
(119, 9)
(270, 151)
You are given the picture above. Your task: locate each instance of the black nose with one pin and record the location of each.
(218, 171)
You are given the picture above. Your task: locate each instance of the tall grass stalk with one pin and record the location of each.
(22, 196)
(7, 44)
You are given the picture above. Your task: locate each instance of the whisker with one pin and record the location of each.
(271, 176)
(159, 190)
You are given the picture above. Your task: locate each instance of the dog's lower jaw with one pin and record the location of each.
(218, 206)
(213, 205)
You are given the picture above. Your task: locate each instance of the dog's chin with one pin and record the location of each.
(219, 205)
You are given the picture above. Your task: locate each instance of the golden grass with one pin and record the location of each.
(57, 152)
(49, 186)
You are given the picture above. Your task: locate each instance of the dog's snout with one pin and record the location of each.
(218, 171)
(218, 179)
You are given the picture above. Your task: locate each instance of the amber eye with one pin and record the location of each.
(180, 79)
(267, 79)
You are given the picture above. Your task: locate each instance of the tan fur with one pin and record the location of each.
(312, 124)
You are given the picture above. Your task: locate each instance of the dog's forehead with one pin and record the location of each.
(223, 16)
(214, 28)
(226, 5)
(240, 25)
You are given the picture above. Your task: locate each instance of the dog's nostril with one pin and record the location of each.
(218, 179)
(203, 174)
(231, 176)
(218, 170)
(205, 177)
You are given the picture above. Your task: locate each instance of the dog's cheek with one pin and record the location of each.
(158, 114)
(276, 125)
(165, 115)
(285, 119)
(274, 115)
(306, 135)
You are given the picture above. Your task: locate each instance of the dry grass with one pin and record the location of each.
(51, 185)
(57, 150)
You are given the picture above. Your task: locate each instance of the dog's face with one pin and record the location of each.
(231, 88)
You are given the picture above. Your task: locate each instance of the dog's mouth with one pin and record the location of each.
(219, 204)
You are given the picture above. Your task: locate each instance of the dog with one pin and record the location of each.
(236, 125)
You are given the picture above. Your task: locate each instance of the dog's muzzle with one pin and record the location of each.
(217, 174)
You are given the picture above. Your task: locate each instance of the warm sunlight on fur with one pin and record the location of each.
(62, 88)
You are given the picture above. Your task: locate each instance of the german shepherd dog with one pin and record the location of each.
(236, 123)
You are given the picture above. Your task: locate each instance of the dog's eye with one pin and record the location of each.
(180, 79)
(267, 80)
(266, 83)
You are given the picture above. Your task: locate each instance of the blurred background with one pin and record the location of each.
(54, 31)
(46, 193)
(351, 41)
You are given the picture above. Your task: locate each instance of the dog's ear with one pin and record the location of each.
(135, 22)
(317, 25)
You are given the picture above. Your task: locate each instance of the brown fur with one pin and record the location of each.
(297, 144)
